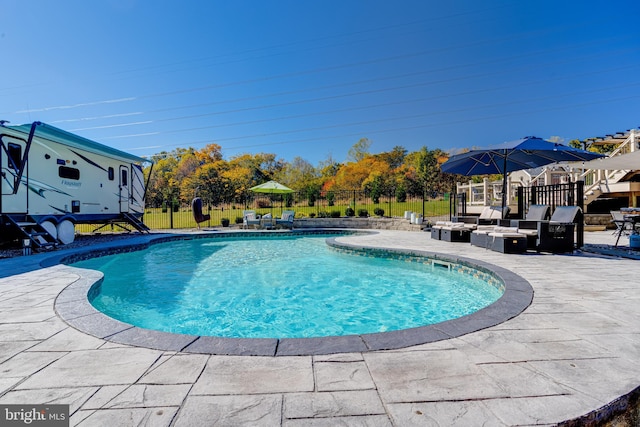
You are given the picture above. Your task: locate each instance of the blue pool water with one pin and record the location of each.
(278, 288)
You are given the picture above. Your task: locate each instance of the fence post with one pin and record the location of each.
(485, 191)
(579, 199)
(171, 215)
(521, 202)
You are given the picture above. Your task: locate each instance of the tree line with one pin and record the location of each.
(183, 173)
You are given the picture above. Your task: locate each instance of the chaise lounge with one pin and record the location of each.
(461, 227)
(529, 225)
(506, 240)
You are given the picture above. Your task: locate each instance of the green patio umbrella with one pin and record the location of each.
(271, 187)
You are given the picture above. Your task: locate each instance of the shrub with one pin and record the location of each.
(263, 203)
(349, 212)
(363, 213)
(331, 198)
(323, 214)
(312, 215)
(378, 211)
(335, 214)
(239, 220)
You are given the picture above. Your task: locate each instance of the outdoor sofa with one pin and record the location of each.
(460, 228)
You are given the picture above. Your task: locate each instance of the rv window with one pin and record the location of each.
(111, 173)
(124, 180)
(15, 155)
(68, 173)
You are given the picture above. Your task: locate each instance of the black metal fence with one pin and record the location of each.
(431, 207)
(569, 194)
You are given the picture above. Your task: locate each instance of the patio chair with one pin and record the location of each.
(286, 220)
(490, 215)
(196, 207)
(249, 218)
(557, 234)
(529, 225)
(534, 213)
(461, 227)
(623, 227)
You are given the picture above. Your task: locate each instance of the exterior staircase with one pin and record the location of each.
(599, 182)
(135, 223)
(40, 239)
(124, 221)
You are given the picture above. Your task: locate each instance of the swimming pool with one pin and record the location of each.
(283, 287)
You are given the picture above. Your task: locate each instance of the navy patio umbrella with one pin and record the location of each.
(526, 153)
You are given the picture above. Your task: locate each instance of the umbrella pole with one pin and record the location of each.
(504, 185)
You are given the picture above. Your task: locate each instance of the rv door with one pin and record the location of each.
(125, 193)
(14, 198)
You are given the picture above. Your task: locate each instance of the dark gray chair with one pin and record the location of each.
(529, 225)
(490, 215)
(557, 234)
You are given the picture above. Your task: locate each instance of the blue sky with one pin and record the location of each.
(309, 79)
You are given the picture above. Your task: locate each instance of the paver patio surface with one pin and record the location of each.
(572, 351)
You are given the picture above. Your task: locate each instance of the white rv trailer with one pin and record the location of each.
(52, 179)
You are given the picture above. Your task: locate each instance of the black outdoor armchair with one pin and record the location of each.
(557, 234)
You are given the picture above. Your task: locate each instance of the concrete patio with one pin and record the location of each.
(573, 351)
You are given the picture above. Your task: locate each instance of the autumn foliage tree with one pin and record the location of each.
(186, 172)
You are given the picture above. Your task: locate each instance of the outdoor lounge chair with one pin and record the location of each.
(534, 213)
(506, 240)
(461, 227)
(556, 235)
(454, 231)
(490, 215)
(480, 236)
(249, 218)
(286, 220)
(529, 225)
(196, 207)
